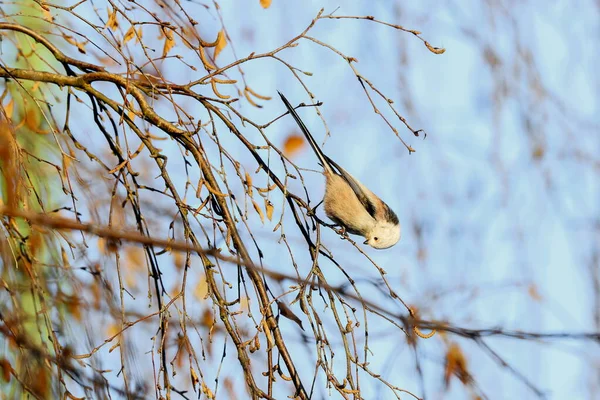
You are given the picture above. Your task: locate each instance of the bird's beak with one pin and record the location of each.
(366, 241)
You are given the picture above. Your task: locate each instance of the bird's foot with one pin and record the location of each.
(340, 231)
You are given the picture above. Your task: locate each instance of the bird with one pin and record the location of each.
(348, 203)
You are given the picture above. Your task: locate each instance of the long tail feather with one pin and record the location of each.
(322, 157)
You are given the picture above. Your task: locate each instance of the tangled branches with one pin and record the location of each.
(171, 162)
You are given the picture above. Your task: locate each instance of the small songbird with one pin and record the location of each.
(349, 203)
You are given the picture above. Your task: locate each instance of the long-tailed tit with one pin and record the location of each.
(349, 203)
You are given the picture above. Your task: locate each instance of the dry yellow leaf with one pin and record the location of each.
(249, 183)
(8, 109)
(265, 3)
(47, 16)
(112, 330)
(179, 260)
(534, 292)
(169, 41)
(293, 144)
(139, 35)
(208, 319)
(201, 290)
(65, 257)
(112, 22)
(131, 279)
(194, 377)
(259, 211)
(130, 34)
(269, 208)
(221, 43)
(135, 258)
(207, 392)
(456, 364)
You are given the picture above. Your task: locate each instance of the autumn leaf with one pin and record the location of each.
(293, 144)
(112, 330)
(269, 208)
(201, 290)
(8, 109)
(169, 41)
(179, 260)
(265, 3)
(139, 35)
(221, 43)
(249, 184)
(207, 392)
(40, 385)
(5, 369)
(456, 364)
(47, 16)
(130, 34)
(112, 22)
(259, 211)
(208, 319)
(534, 293)
(194, 377)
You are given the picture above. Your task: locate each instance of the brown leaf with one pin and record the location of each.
(221, 43)
(9, 151)
(40, 381)
(208, 319)
(5, 369)
(288, 313)
(456, 364)
(293, 144)
(265, 3)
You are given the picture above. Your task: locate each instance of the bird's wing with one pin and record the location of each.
(356, 188)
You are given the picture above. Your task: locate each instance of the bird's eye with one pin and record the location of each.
(376, 238)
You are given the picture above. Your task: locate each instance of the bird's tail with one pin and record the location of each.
(322, 157)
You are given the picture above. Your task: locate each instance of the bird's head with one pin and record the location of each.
(384, 235)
